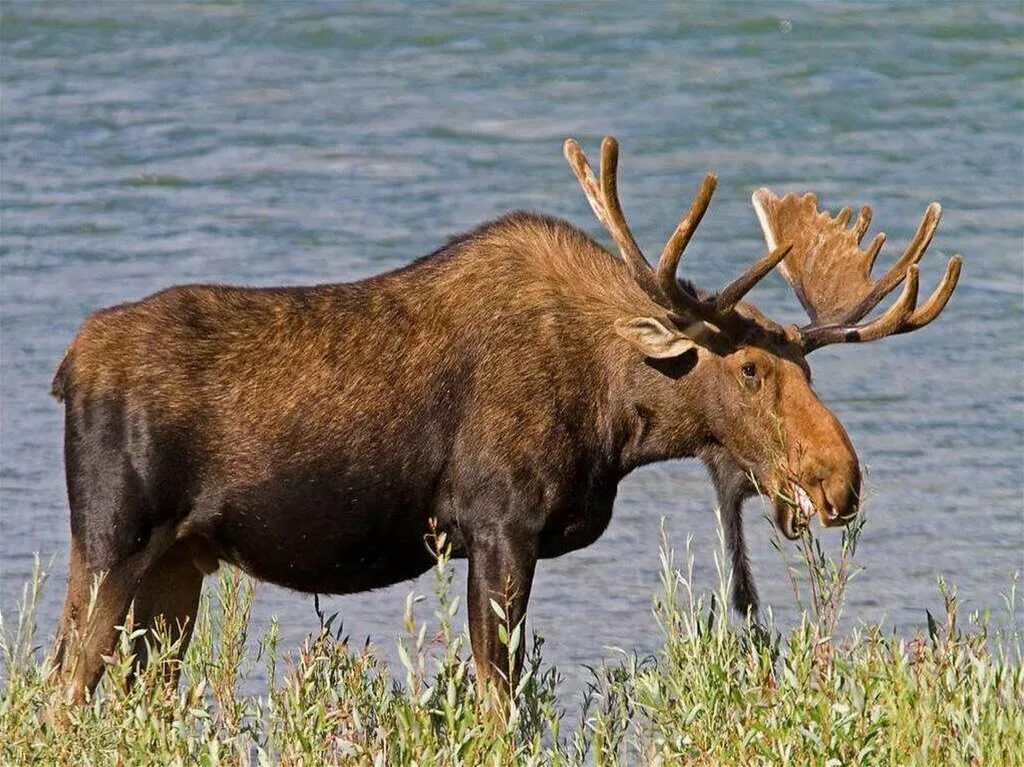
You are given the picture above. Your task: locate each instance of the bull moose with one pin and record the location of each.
(500, 387)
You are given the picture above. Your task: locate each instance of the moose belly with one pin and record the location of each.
(321, 537)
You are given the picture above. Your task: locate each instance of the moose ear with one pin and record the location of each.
(653, 338)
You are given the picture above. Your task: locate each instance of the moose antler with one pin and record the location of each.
(831, 274)
(660, 283)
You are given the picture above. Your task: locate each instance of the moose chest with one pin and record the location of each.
(578, 522)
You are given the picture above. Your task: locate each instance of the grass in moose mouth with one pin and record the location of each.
(717, 692)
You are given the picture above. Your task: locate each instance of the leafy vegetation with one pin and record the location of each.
(717, 692)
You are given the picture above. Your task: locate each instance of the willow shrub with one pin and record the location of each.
(719, 691)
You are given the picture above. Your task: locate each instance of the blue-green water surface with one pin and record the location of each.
(148, 144)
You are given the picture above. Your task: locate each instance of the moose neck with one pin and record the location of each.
(656, 411)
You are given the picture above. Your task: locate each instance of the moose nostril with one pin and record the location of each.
(830, 508)
(841, 501)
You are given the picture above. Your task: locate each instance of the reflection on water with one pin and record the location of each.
(152, 144)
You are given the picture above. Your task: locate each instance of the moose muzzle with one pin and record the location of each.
(822, 477)
(833, 497)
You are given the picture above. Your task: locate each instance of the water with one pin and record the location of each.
(150, 144)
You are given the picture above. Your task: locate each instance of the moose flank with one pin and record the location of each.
(501, 386)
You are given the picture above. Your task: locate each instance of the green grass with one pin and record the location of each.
(717, 692)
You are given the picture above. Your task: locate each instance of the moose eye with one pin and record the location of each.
(749, 370)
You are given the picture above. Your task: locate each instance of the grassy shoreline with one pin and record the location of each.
(716, 692)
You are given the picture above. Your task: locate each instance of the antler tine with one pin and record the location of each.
(617, 226)
(912, 255)
(892, 321)
(872, 252)
(938, 300)
(673, 250)
(603, 196)
(578, 162)
(739, 287)
(668, 263)
(860, 226)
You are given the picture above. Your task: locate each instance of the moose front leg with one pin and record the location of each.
(501, 565)
(744, 592)
(731, 487)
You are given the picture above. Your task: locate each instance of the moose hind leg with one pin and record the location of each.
(115, 538)
(76, 602)
(94, 625)
(166, 603)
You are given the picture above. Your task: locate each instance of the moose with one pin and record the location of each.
(497, 390)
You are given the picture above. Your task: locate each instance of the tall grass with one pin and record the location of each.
(717, 692)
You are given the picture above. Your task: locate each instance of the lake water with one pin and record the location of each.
(150, 144)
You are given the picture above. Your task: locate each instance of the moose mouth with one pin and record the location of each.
(794, 510)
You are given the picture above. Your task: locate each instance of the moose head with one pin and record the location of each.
(764, 428)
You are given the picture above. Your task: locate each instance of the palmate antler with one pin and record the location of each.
(831, 274)
(660, 283)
